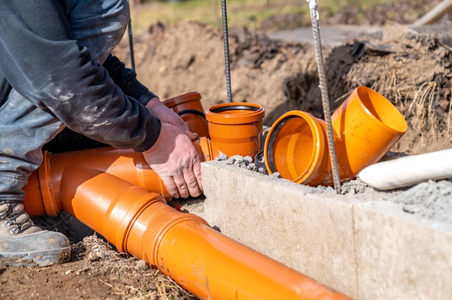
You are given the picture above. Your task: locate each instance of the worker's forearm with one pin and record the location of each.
(127, 80)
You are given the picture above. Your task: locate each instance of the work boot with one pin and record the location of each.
(24, 244)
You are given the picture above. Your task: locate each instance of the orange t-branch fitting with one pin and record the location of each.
(365, 127)
(42, 190)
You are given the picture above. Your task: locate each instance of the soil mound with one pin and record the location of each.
(412, 70)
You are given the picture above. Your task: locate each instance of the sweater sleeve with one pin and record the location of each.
(127, 80)
(44, 64)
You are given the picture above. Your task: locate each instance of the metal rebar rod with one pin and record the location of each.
(129, 26)
(224, 15)
(324, 89)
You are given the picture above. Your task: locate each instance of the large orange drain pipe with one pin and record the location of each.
(181, 245)
(365, 128)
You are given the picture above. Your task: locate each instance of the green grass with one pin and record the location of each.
(247, 13)
(240, 12)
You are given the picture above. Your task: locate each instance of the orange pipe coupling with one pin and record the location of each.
(365, 127)
(43, 188)
(181, 245)
(235, 128)
(189, 107)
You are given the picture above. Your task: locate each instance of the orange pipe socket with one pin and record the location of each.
(181, 245)
(189, 107)
(42, 190)
(235, 129)
(365, 127)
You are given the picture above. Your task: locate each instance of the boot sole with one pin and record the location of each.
(36, 258)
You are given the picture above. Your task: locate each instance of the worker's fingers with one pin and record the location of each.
(197, 172)
(192, 182)
(171, 186)
(191, 135)
(184, 125)
(181, 185)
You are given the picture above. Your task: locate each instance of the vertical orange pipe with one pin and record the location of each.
(181, 245)
(186, 106)
(235, 128)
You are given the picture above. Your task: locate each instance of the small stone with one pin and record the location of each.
(221, 157)
(275, 175)
(92, 256)
(261, 170)
(68, 272)
(95, 255)
(230, 161)
(101, 254)
(251, 166)
(238, 159)
(248, 159)
(141, 264)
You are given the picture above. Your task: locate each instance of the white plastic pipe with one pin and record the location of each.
(408, 170)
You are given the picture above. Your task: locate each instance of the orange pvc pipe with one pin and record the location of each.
(235, 128)
(365, 127)
(235, 131)
(44, 185)
(181, 245)
(183, 105)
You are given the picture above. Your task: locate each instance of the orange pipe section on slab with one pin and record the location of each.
(235, 128)
(181, 245)
(365, 127)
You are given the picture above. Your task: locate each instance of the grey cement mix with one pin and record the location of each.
(429, 200)
(361, 243)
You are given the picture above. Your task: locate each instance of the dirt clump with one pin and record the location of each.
(96, 271)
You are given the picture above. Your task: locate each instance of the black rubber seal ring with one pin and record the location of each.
(192, 111)
(271, 142)
(259, 160)
(234, 107)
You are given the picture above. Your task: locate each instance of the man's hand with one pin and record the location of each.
(174, 158)
(165, 114)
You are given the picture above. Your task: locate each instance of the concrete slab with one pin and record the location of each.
(398, 258)
(313, 235)
(358, 244)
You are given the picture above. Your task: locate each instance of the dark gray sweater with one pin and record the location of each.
(40, 60)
